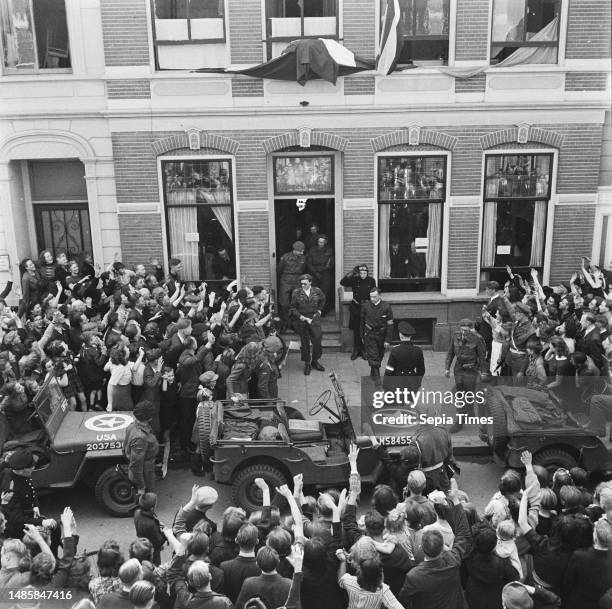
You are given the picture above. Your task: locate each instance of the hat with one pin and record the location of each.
(21, 459)
(406, 328)
(206, 495)
(147, 501)
(272, 344)
(305, 276)
(515, 596)
(297, 245)
(250, 314)
(208, 377)
(465, 322)
(521, 306)
(144, 411)
(322, 236)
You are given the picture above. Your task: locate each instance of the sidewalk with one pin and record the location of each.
(301, 391)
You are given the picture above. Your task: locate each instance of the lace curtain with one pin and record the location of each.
(489, 233)
(538, 236)
(384, 258)
(182, 220)
(434, 236)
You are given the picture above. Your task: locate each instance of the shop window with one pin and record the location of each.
(199, 217)
(411, 195)
(525, 31)
(287, 20)
(517, 191)
(34, 35)
(189, 34)
(423, 31)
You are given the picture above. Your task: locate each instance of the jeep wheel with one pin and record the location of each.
(497, 431)
(115, 493)
(247, 495)
(204, 429)
(554, 458)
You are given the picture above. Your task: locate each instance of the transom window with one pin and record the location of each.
(423, 30)
(525, 31)
(411, 195)
(516, 194)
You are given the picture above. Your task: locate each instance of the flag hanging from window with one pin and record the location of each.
(390, 40)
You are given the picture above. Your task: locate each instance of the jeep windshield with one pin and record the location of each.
(50, 405)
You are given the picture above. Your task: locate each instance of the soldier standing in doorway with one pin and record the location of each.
(377, 330)
(320, 264)
(360, 283)
(290, 267)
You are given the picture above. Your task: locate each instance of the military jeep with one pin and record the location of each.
(78, 447)
(230, 437)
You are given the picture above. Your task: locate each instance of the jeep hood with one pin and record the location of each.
(91, 431)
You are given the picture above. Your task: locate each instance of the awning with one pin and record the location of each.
(308, 59)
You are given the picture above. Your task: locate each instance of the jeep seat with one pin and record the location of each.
(306, 431)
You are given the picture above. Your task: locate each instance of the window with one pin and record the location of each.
(423, 28)
(34, 35)
(516, 195)
(198, 196)
(287, 20)
(411, 195)
(525, 31)
(189, 34)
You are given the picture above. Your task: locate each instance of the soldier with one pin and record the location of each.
(320, 264)
(406, 360)
(468, 347)
(290, 267)
(307, 302)
(360, 283)
(377, 330)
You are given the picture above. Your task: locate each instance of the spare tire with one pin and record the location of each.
(497, 430)
(204, 423)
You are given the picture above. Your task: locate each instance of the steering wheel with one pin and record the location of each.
(321, 403)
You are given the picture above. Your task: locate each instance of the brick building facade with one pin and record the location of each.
(108, 106)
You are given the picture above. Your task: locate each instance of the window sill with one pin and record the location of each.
(25, 75)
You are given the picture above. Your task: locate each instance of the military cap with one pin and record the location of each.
(21, 459)
(406, 328)
(298, 245)
(305, 277)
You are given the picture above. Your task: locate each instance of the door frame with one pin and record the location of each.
(336, 195)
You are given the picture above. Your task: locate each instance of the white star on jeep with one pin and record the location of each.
(108, 422)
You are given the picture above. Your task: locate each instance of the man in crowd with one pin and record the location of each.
(320, 264)
(406, 364)
(377, 330)
(290, 267)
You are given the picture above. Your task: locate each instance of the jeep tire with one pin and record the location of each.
(247, 495)
(115, 493)
(204, 424)
(497, 431)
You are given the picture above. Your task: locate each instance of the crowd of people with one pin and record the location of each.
(141, 341)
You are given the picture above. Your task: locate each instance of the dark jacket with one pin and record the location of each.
(486, 577)
(436, 584)
(147, 525)
(587, 578)
(140, 449)
(236, 571)
(19, 508)
(273, 588)
(190, 367)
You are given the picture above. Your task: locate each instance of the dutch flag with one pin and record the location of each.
(390, 39)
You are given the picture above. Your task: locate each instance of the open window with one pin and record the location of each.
(517, 192)
(525, 31)
(34, 35)
(423, 31)
(411, 195)
(288, 20)
(189, 34)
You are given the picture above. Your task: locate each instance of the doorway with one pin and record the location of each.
(293, 219)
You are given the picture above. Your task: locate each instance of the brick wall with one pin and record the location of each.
(141, 238)
(128, 89)
(360, 27)
(472, 34)
(244, 22)
(359, 85)
(358, 238)
(572, 237)
(253, 235)
(124, 27)
(462, 247)
(588, 29)
(586, 81)
(247, 87)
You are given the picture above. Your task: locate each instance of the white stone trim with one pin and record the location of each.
(465, 201)
(348, 204)
(589, 198)
(138, 208)
(255, 205)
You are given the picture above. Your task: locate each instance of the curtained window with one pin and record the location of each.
(199, 212)
(516, 192)
(525, 31)
(422, 31)
(287, 20)
(411, 195)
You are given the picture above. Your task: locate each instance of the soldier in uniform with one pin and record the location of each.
(320, 264)
(291, 266)
(377, 330)
(360, 283)
(467, 347)
(406, 360)
(307, 303)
